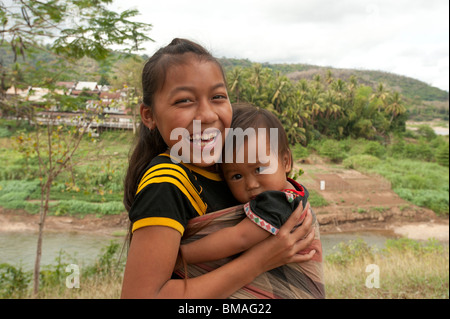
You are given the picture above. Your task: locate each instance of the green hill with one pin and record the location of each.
(410, 88)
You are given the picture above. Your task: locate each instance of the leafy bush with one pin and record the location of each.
(349, 252)
(333, 150)
(13, 281)
(298, 151)
(4, 132)
(436, 200)
(442, 155)
(375, 149)
(426, 131)
(361, 162)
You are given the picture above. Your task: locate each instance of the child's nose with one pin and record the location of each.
(252, 183)
(206, 112)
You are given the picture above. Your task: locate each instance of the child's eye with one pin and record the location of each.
(236, 177)
(260, 169)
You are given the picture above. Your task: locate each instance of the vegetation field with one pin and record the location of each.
(93, 185)
(416, 164)
(406, 269)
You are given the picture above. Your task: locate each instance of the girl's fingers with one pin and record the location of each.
(305, 228)
(293, 220)
(305, 242)
(302, 258)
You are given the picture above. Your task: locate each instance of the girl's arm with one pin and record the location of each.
(154, 249)
(224, 243)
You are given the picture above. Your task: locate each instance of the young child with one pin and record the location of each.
(269, 197)
(184, 84)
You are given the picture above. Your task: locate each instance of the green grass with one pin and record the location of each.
(407, 269)
(422, 183)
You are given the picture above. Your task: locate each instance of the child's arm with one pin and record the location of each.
(224, 243)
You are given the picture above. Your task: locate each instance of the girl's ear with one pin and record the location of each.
(147, 116)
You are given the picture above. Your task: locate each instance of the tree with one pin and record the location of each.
(127, 76)
(68, 30)
(74, 28)
(382, 95)
(395, 106)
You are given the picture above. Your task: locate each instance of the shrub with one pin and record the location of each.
(375, 149)
(298, 151)
(436, 200)
(13, 281)
(4, 132)
(442, 155)
(361, 162)
(333, 150)
(350, 251)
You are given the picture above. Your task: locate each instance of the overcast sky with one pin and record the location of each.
(406, 37)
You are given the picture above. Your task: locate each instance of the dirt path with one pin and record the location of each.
(358, 201)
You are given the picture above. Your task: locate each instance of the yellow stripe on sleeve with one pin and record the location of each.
(169, 173)
(158, 221)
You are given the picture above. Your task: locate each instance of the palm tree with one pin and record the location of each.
(314, 103)
(395, 106)
(235, 78)
(382, 95)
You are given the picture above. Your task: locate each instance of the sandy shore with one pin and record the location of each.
(108, 225)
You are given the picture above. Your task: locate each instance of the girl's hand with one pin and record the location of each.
(284, 248)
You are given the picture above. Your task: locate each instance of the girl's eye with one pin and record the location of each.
(219, 97)
(236, 177)
(181, 101)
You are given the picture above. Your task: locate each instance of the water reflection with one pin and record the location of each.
(19, 248)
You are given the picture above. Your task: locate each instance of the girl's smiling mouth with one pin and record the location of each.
(205, 140)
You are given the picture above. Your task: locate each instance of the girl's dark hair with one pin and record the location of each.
(246, 115)
(149, 143)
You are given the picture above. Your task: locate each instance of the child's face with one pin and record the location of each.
(247, 180)
(194, 90)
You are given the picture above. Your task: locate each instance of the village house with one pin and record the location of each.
(111, 102)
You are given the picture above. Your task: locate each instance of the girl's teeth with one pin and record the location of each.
(204, 137)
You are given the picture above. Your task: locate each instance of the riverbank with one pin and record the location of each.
(413, 224)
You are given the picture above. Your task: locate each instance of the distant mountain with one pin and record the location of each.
(414, 90)
(410, 88)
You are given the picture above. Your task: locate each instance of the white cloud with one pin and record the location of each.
(408, 37)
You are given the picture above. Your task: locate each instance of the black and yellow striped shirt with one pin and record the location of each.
(170, 194)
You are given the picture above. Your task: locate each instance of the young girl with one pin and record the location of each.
(270, 197)
(183, 83)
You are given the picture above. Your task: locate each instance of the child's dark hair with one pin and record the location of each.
(246, 115)
(149, 143)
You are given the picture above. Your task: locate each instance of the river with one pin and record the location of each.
(19, 248)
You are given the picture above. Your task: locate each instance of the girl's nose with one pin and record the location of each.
(206, 112)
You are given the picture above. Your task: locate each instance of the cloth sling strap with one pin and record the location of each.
(291, 281)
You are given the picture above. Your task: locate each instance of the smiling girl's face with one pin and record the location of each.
(193, 90)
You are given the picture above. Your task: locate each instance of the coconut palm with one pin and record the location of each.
(395, 106)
